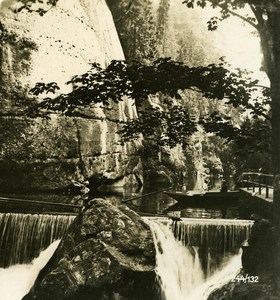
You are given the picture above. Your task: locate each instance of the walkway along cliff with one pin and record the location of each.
(48, 154)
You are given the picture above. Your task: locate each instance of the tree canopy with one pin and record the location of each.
(170, 78)
(141, 76)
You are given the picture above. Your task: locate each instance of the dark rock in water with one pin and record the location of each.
(264, 290)
(108, 253)
(259, 256)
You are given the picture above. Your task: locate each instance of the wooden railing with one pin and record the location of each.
(258, 182)
(8, 204)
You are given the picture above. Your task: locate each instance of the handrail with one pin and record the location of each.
(258, 180)
(29, 201)
(257, 173)
(148, 194)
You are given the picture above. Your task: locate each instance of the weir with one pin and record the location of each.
(215, 239)
(189, 253)
(24, 236)
(193, 256)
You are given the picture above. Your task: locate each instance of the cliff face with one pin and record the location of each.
(47, 154)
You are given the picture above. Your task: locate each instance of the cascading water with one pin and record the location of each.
(24, 236)
(175, 280)
(17, 280)
(193, 256)
(216, 239)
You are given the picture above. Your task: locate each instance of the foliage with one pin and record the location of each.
(162, 20)
(9, 37)
(41, 87)
(37, 6)
(148, 29)
(173, 124)
(26, 139)
(138, 81)
(247, 141)
(136, 25)
(249, 136)
(227, 8)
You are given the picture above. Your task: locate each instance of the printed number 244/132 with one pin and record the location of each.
(247, 278)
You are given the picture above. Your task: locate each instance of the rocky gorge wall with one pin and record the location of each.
(48, 154)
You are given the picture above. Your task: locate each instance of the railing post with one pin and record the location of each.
(260, 188)
(266, 191)
(248, 182)
(258, 182)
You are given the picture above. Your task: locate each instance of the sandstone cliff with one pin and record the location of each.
(49, 154)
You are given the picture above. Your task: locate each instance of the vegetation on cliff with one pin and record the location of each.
(215, 81)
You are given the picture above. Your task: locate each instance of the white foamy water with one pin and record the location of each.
(179, 271)
(218, 279)
(17, 280)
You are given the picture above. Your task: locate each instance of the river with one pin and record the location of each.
(194, 256)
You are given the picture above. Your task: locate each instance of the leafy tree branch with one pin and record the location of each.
(138, 81)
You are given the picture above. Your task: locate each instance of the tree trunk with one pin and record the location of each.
(276, 150)
(270, 41)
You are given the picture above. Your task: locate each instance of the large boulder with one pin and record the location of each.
(108, 253)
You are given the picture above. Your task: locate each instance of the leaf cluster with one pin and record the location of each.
(138, 81)
(12, 38)
(227, 8)
(30, 6)
(163, 127)
(172, 125)
(252, 135)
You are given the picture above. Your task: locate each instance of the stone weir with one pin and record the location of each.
(24, 236)
(213, 240)
(49, 154)
(108, 253)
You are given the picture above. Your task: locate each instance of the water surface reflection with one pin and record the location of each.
(163, 205)
(145, 202)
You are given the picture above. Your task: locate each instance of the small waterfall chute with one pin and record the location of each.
(215, 239)
(24, 236)
(178, 270)
(194, 257)
(220, 277)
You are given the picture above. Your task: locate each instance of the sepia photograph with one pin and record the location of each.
(139, 149)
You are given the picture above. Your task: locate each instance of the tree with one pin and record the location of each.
(162, 24)
(168, 77)
(266, 21)
(135, 23)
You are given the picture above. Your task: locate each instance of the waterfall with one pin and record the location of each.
(17, 280)
(178, 271)
(218, 279)
(24, 236)
(194, 257)
(215, 239)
